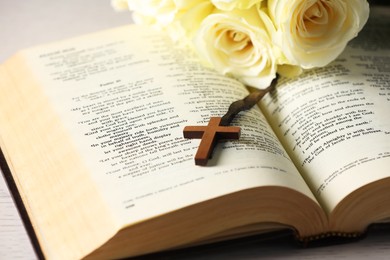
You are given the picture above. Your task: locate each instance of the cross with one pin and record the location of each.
(218, 126)
(210, 134)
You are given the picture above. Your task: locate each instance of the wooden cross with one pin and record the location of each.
(218, 126)
(210, 134)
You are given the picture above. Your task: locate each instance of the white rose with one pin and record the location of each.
(238, 43)
(188, 18)
(313, 33)
(119, 5)
(154, 12)
(228, 5)
(160, 12)
(179, 17)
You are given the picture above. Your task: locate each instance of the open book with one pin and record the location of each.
(91, 129)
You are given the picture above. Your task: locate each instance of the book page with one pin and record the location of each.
(125, 96)
(335, 120)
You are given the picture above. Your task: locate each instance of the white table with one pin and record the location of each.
(27, 23)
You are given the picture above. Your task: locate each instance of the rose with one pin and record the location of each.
(188, 18)
(312, 33)
(236, 37)
(228, 5)
(179, 17)
(238, 43)
(161, 12)
(119, 5)
(156, 12)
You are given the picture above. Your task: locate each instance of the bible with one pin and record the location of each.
(91, 133)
